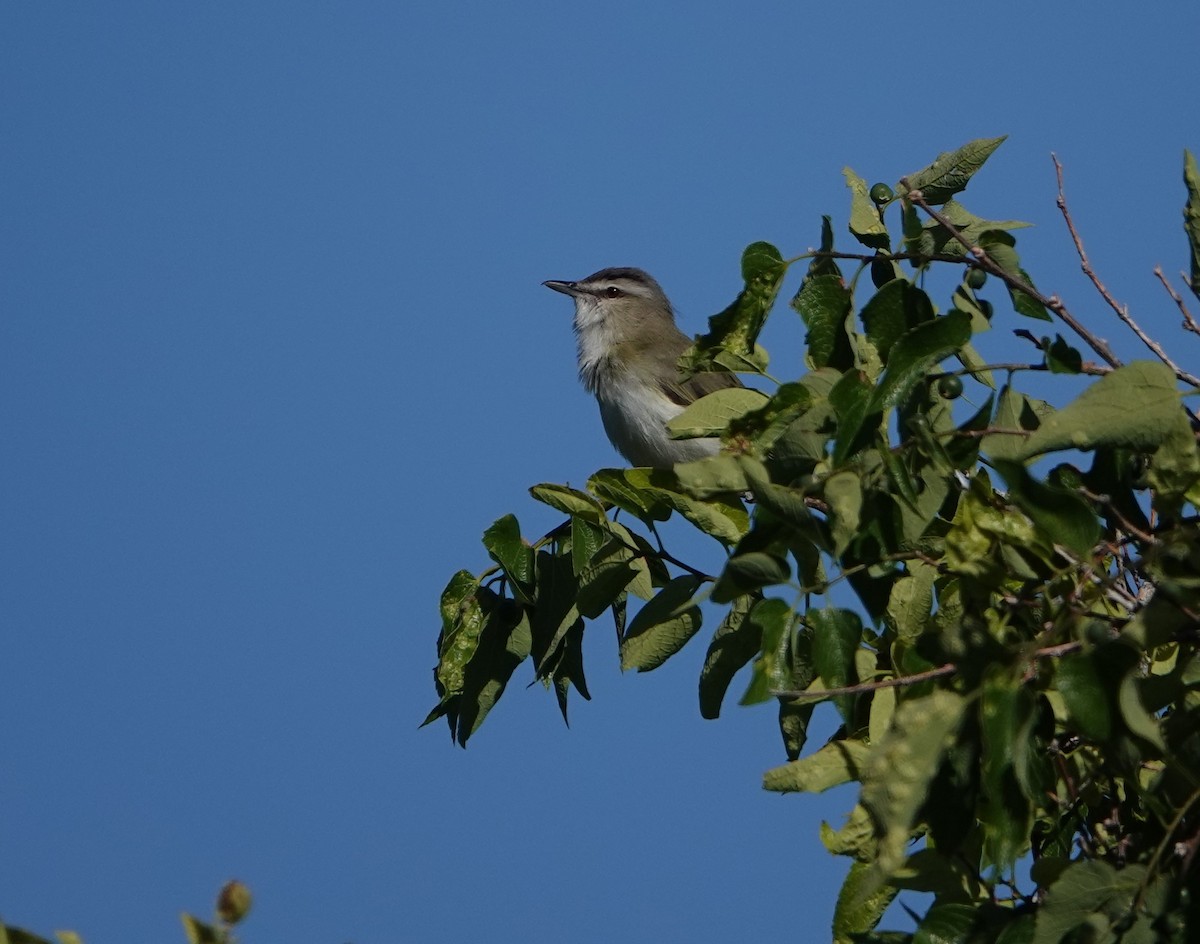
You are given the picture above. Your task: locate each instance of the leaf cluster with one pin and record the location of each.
(1018, 683)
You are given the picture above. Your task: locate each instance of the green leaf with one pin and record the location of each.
(1134, 713)
(1006, 714)
(554, 612)
(1133, 406)
(736, 641)
(843, 491)
(892, 311)
(836, 763)
(744, 573)
(200, 933)
(505, 643)
(711, 414)
(605, 578)
(1191, 216)
(630, 490)
(773, 667)
(730, 341)
(947, 924)
(1062, 515)
(824, 303)
(570, 501)
(764, 426)
(899, 768)
(505, 547)
(1061, 358)
(662, 626)
(859, 908)
(836, 635)
(586, 540)
(911, 601)
(1085, 889)
(1083, 689)
(952, 170)
(463, 618)
(915, 352)
(709, 478)
(851, 399)
(865, 221)
(1014, 412)
(1175, 467)
(967, 225)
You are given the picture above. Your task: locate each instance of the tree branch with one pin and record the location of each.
(1121, 310)
(1189, 322)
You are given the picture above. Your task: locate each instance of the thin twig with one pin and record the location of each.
(900, 681)
(1189, 322)
(986, 262)
(1121, 310)
(1087, 367)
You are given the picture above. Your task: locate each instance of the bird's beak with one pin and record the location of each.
(567, 288)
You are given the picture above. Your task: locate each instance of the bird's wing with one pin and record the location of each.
(689, 391)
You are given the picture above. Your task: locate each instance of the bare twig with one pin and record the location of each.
(1087, 367)
(1189, 322)
(986, 262)
(1121, 310)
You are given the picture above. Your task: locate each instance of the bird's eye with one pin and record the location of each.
(612, 292)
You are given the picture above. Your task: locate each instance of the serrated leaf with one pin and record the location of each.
(952, 170)
(836, 763)
(711, 414)
(865, 222)
(662, 626)
(733, 645)
(824, 303)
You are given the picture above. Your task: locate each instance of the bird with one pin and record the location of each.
(629, 349)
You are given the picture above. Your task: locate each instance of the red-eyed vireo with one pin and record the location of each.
(629, 352)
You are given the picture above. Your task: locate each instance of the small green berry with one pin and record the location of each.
(881, 194)
(950, 387)
(975, 278)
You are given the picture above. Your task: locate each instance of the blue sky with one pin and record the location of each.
(274, 351)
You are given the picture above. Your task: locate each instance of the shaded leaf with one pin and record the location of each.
(662, 626)
(504, 545)
(1191, 216)
(892, 311)
(1085, 888)
(1062, 515)
(915, 352)
(824, 303)
(733, 645)
(836, 635)
(570, 501)
(858, 907)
